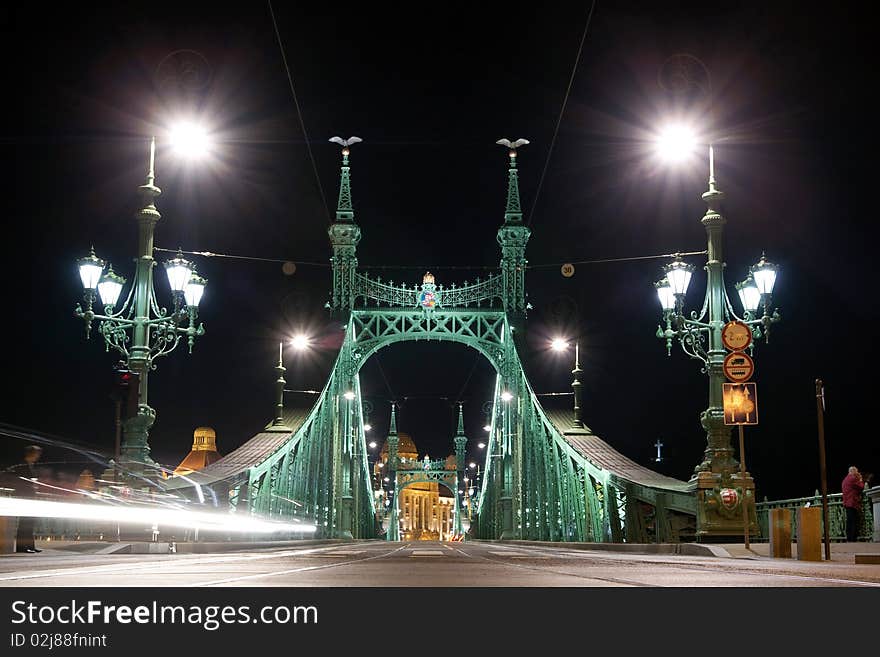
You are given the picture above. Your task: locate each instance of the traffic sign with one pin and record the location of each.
(567, 270)
(738, 366)
(740, 403)
(736, 335)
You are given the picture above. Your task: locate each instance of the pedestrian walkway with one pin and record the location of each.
(840, 552)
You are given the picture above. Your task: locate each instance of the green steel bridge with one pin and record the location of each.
(547, 475)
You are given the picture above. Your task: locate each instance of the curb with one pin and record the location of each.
(686, 549)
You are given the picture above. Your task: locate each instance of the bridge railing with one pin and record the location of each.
(477, 293)
(836, 515)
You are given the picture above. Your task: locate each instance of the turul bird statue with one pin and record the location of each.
(345, 142)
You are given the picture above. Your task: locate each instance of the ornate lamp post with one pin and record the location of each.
(699, 334)
(139, 328)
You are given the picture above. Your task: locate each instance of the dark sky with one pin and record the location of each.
(429, 89)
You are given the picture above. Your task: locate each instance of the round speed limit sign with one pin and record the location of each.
(567, 270)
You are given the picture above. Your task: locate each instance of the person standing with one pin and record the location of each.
(25, 486)
(852, 488)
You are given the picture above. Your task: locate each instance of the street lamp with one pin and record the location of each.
(300, 342)
(189, 140)
(700, 336)
(140, 329)
(559, 344)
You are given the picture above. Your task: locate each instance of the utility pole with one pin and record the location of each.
(820, 414)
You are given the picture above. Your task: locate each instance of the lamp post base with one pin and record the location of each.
(719, 507)
(135, 465)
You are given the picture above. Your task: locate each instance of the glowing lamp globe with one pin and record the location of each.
(678, 274)
(110, 287)
(179, 272)
(749, 295)
(90, 269)
(194, 290)
(764, 274)
(664, 293)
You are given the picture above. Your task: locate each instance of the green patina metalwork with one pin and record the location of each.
(537, 483)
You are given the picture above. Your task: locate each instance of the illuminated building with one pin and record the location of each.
(203, 453)
(427, 510)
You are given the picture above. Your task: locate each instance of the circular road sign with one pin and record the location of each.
(567, 270)
(736, 335)
(738, 367)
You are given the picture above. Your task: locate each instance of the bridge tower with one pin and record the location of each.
(344, 236)
(513, 236)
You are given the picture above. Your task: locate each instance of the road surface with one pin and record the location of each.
(430, 564)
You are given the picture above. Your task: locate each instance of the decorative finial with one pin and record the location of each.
(713, 196)
(151, 173)
(149, 189)
(460, 431)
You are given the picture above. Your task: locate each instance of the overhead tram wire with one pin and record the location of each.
(385, 378)
(468, 379)
(603, 260)
(299, 113)
(577, 60)
(211, 254)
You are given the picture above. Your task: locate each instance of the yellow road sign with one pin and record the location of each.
(740, 403)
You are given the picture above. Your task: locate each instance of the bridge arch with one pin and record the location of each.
(486, 332)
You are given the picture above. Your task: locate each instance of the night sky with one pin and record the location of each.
(430, 89)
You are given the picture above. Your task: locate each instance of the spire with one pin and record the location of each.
(344, 209)
(577, 422)
(513, 211)
(392, 430)
(460, 431)
(392, 440)
(460, 441)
